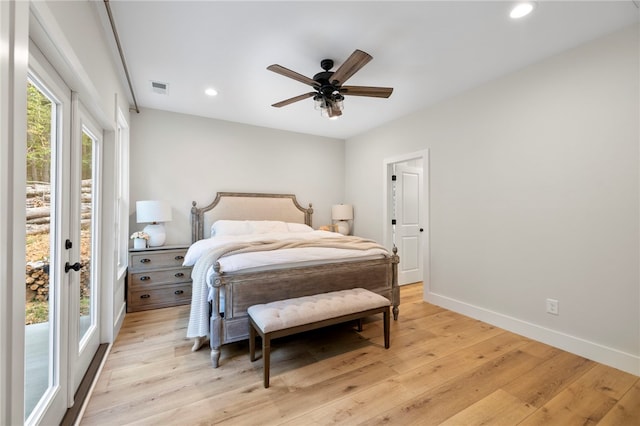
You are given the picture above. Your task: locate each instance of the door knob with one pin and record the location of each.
(76, 267)
(421, 230)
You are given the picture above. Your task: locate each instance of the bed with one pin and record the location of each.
(225, 284)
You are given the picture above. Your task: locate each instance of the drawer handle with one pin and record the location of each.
(145, 296)
(179, 257)
(145, 260)
(178, 292)
(145, 278)
(179, 274)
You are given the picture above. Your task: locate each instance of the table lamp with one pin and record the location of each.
(154, 213)
(342, 213)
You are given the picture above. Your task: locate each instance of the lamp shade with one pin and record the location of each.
(342, 212)
(153, 211)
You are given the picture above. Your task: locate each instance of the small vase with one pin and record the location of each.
(139, 243)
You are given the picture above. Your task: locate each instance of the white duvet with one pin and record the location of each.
(274, 258)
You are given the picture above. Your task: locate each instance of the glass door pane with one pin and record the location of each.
(41, 204)
(87, 197)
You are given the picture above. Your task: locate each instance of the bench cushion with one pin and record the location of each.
(288, 313)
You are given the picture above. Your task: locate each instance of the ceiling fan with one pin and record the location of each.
(329, 91)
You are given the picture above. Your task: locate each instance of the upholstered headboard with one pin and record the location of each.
(247, 206)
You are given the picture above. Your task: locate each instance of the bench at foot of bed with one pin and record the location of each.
(291, 316)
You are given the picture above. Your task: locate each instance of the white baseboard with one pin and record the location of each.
(591, 350)
(117, 324)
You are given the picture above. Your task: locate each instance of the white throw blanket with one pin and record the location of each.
(199, 316)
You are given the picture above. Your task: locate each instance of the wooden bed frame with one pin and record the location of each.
(243, 289)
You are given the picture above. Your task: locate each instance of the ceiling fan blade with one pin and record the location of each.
(375, 92)
(294, 99)
(279, 69)
(357, 60)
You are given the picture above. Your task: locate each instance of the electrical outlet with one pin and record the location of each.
(552, 306)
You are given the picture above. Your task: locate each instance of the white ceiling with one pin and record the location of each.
(426, 50)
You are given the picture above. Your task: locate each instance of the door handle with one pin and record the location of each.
(76, 267)
(421, 230)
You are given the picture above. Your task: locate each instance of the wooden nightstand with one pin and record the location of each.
(157, 279)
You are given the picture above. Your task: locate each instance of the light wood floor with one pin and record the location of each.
(442, 369)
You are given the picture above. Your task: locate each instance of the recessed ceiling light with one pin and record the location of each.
(521, 10)
(211, 92)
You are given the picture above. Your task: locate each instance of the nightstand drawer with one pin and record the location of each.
(160, 297)
(160, 259)
(150, 278)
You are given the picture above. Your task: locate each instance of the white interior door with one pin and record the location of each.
(409, 229)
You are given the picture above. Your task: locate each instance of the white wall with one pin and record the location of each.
(183, 158)
(534, 194)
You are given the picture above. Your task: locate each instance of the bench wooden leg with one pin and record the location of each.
(252, 342)
(386, 328)
(266, 358)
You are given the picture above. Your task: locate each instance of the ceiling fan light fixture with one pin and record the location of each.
(330, 112)
(338, 101)
(330, 106)
(319, 102)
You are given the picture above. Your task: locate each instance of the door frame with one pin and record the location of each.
(14, 48)
(387, 171)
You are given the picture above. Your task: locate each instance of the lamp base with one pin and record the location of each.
(343, 227)
(157, 235)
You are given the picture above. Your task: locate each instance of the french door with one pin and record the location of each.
(62, 205)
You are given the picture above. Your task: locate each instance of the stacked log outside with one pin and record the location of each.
(38, 214)
(37, 281)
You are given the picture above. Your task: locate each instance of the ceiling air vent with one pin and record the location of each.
(159, 87)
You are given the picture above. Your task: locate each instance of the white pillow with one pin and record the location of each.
(267, 226)
(222, 228)
(298, 227)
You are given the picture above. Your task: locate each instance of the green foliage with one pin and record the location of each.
(39, 113)
(87, 156)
